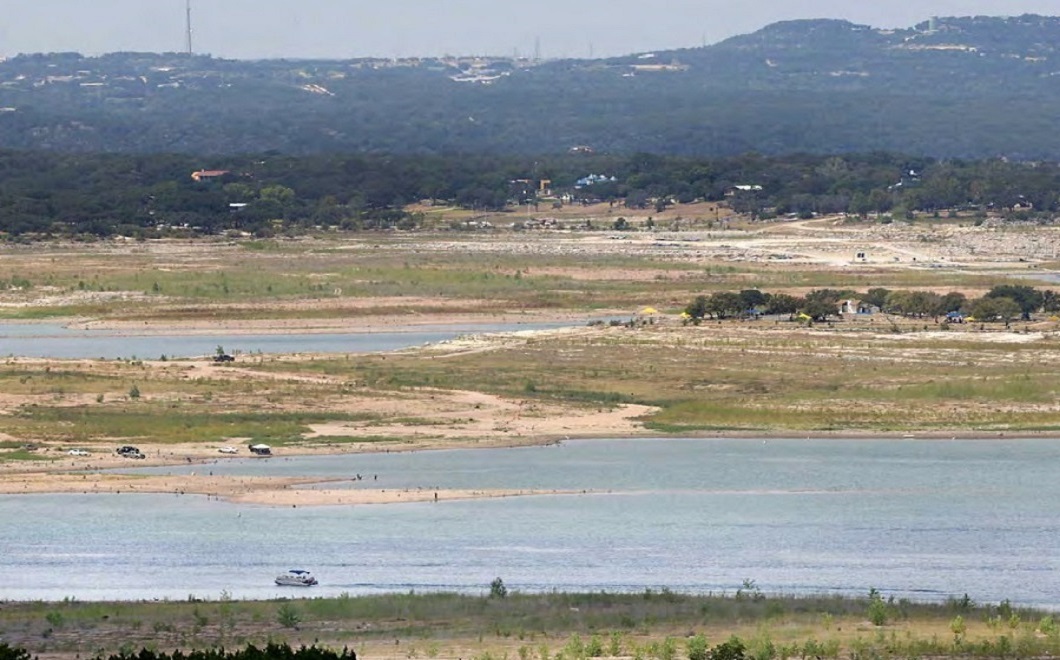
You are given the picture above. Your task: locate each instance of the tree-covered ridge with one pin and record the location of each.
(50, 194)
(950, 87)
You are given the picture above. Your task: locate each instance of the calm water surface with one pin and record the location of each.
(51, 340)
(920, 519)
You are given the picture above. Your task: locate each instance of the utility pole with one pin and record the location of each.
(188, 27)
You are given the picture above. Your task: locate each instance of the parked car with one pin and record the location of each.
(128, 451)
(78, 452)
(223, 357)
(228, 450)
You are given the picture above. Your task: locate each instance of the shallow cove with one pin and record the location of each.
(51, 340)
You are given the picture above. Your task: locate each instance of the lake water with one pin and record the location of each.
(51, 340)
(919, 519)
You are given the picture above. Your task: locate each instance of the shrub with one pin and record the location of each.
(288, 616)
(13, 652)
(1047, 626)
(958, 628)
(54, 618)
(698, 649)
(595, 648)
(733, 649)
(497, 589)
(877, 608)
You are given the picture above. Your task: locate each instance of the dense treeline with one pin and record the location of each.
(49, 194)
(1003, 303)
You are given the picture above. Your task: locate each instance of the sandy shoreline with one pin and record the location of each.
(391, 323)
(78, 476)
(269, 491)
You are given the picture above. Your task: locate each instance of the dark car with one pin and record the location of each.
(128, 451)
(223, 357)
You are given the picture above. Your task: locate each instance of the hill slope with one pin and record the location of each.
(966, 87)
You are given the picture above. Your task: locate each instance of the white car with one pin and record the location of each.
(228, 450)
(78, 452)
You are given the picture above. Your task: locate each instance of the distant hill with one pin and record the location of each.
(949, 87)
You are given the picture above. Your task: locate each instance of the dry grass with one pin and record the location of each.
(573, 626)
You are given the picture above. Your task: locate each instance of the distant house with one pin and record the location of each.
(205, 175)
(743, 188)
(910, 179)
(593, 179)
(847, 307)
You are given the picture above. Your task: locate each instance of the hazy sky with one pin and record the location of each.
(392, 28)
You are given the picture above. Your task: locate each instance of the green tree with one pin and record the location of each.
(954, 301)
(876, 297)
(724, 304)
(988, 309)
(281, 195)
(697, 309)
(782, 303)
(752, 299)
(1027, 298)
(820, 310)
(1050, 301)
(925, 303)
(860, 205)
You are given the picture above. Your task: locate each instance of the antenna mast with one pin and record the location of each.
(188, 44)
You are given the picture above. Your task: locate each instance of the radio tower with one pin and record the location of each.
(188, 27)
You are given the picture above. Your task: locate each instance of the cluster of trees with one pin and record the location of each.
(1003, 303)
(47, 194)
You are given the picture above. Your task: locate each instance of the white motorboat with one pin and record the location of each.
(296, 578)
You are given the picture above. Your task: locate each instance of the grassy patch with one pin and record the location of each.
(22, 455)
(255, 277)
(648, 624)
(750, 377)
(164, 425)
